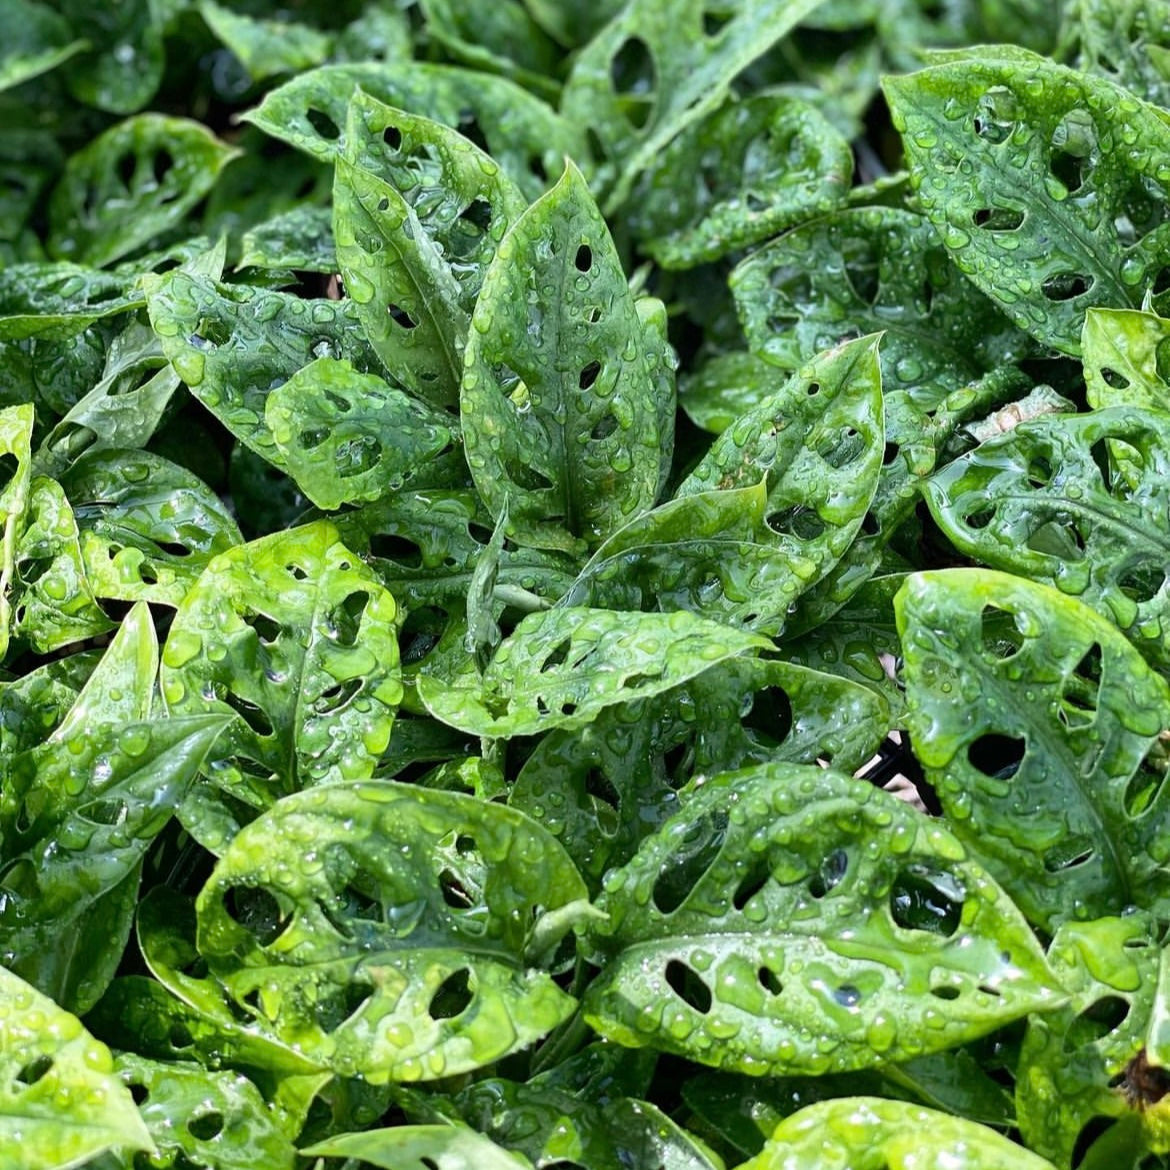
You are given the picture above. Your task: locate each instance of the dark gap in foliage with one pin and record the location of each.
(997, 756)
(453, 996)
(695, 854)
(688, 986)
(922, 898)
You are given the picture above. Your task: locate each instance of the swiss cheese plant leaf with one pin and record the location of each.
(728, 385)
(1126, 355)
(603, 788)
(420, 1147)
(207, 1119)
(124, 63)
(301, 238)
(558, 401)
(58, 301)
(266, 48)
(792, 920)
(61, 1103)
(1044, 502)
(653, 71)
(347, 437)
(869, 1133)
(1127, 43)
(1008, 155)
(232, 344)
(561, 668)
(390, 930)
(130, 184)
(1071, 1059)
(38, 40)
(16, 424)
(1050, 710)
(418, 214)
(743, 173)
(523, 134)
(294, 635)
(147, 527)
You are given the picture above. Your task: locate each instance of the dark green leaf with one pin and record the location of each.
(301, 238)
(58, 301)
(37, 39)
(124, 65)
(266, 48)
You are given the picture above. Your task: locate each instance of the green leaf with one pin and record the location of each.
(1126, 359)
(743, 173)
(232, 344)
(58, 301)
(1008, 158)
(651, 72)
(1070, 1060)
(266, 48)
(148, 527)
(347, 437)
(419, 212)
(868, 1133)
(559, 396)
(37, 40)
(61, 1102)
(131, 184)
(124, 66)
(1126, 43)
(562, 667)
(791, 920)
(1044, 502)
(727, 386)
(215, 1119)
(524, 136)
(294, 635)
(420, 1147)
(600, 790)
(16, 424)
(395, 948)
(1048, 706)
(300, 238)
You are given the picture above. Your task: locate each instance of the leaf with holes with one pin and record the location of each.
(600, 790)
(206, 1118)
(792, 920)
(523, 134)
(301, 238)
(1126, 355)
(58, 301)
(296, 637)
(16, 425)
(131, 184)
(768, 511)
(387, 929)
(653, 71)
(727, 386)
(233, 344)
(38, 39)
(1072, 1061)
(1044, 502)
(1052, 711)
(420, 1147)
(1127, 43)
(1010, 156)
(61, 1102)
(746, 172)
(870, 1132)
(266, 48)
(418, 212)
(347, 437)
(559, 402)
(147, 527)
(563, 667)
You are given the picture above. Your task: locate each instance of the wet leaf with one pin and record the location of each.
(558, 400)
(16, 423)
(62, 1102)
(58, 301)
(266, 48)
(301, 238)
(385, 928)
(1076, 225)
(726, 387)
(791, 920)
(37, 40)
(1050, 710)
(1125, 360)
(420, 1147)
(123, 66)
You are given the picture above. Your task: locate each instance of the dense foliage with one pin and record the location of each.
(491, 492)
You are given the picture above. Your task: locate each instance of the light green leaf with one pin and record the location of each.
(1050, 709)
(1126, 356)
(16, 424)
(384, 928)
(419, 212)
(559, 397)
(868, 1133)
(525, 137)
(1044, 502)
(727, 386)
(347, 437)
(420, 1147)
(37, 39)
(743, 173)
(266, 48)
(1009, 159)
(294, 635)
(130, 184)
(61, 1102)
(562, 667)
(652, 71)
(791, 920)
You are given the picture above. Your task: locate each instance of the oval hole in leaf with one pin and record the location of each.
(1068, 854)
(257, 911)
(323, 124)
(1094, 1129)
(770, 715)
(692, 990)
(589, 374)
(34, 1071)
(453, 995)
(1064, 286)
(832, 870)
(632, 75)
(686, 867)
(926, 899)
(945, 992)
(798, 521)
(420, 633)
(251, 714)
(583, 260)
(401, 317)
(998, 756)
(206, 1126)
(769, 981)
(1141, 582)
(392, 137)
(1145, 784)
(390, 546)
(751, 883)
(998, 219)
